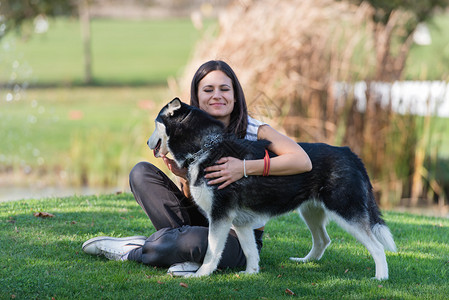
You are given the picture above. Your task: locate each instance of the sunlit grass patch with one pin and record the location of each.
(42, 258)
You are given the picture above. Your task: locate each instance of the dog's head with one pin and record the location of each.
(179, 125)
(158, 141)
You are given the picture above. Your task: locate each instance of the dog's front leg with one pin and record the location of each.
(218, 233)
(249, 247)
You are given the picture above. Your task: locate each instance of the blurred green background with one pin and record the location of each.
(58, 131)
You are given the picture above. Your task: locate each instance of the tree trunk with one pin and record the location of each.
(85, 32)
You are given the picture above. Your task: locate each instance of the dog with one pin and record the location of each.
(337, 188)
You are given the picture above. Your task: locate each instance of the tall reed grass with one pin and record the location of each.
(289, 55)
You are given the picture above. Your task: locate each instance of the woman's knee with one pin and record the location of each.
(140, 171)
(172, 245)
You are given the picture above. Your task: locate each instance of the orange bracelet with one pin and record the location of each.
(266, 164)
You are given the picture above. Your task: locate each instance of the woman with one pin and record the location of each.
(181, 237)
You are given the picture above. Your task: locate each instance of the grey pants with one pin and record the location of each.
(181, 228)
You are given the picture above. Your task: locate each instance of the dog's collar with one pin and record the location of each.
(210, 142)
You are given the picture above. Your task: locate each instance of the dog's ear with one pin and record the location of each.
(174, 105)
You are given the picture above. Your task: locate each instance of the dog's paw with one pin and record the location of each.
(190, 275)
(197, 274)
(250, 272)
(380, 278)
(300, 259)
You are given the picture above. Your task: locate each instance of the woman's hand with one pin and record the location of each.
(226, 171)
(173, 167)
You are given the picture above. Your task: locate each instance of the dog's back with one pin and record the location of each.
(338, 180)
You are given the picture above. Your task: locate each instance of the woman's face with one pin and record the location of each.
(216, 96)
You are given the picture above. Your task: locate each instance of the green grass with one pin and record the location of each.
(42, 258)
(148, 51)
(103, 130)
(47, 117)
(123, 52)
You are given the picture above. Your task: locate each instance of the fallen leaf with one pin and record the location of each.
(346, 271)
(289, 291)
(183, 285)
(43, 214)
(160, 282)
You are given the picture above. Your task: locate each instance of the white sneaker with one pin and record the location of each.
(112, 248)
(183, 269)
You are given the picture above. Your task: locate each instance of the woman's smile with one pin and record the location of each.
(216, 96)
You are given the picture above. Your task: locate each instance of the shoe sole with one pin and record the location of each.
(183, 269)
(181, 273)
(108, 238)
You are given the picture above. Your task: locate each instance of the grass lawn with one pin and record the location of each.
(42, 258)
(148, 51)
(79, 131)
(123, 52)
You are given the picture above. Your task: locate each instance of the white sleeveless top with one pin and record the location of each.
(251, 134)
(252, 129)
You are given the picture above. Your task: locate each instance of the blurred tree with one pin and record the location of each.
(421, 9)
(398, 19)
(15, 14)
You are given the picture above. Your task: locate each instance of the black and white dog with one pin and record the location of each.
(337, 188)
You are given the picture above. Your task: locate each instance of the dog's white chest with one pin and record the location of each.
(202, 194)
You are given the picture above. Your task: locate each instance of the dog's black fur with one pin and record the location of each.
(337, 186)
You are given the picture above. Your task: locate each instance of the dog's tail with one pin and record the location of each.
(384, 236)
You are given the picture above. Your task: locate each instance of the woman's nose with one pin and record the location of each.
(217, 94)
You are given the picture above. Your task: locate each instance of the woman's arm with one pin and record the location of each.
(291, 159)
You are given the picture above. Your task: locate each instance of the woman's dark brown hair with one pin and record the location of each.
(239, 115)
